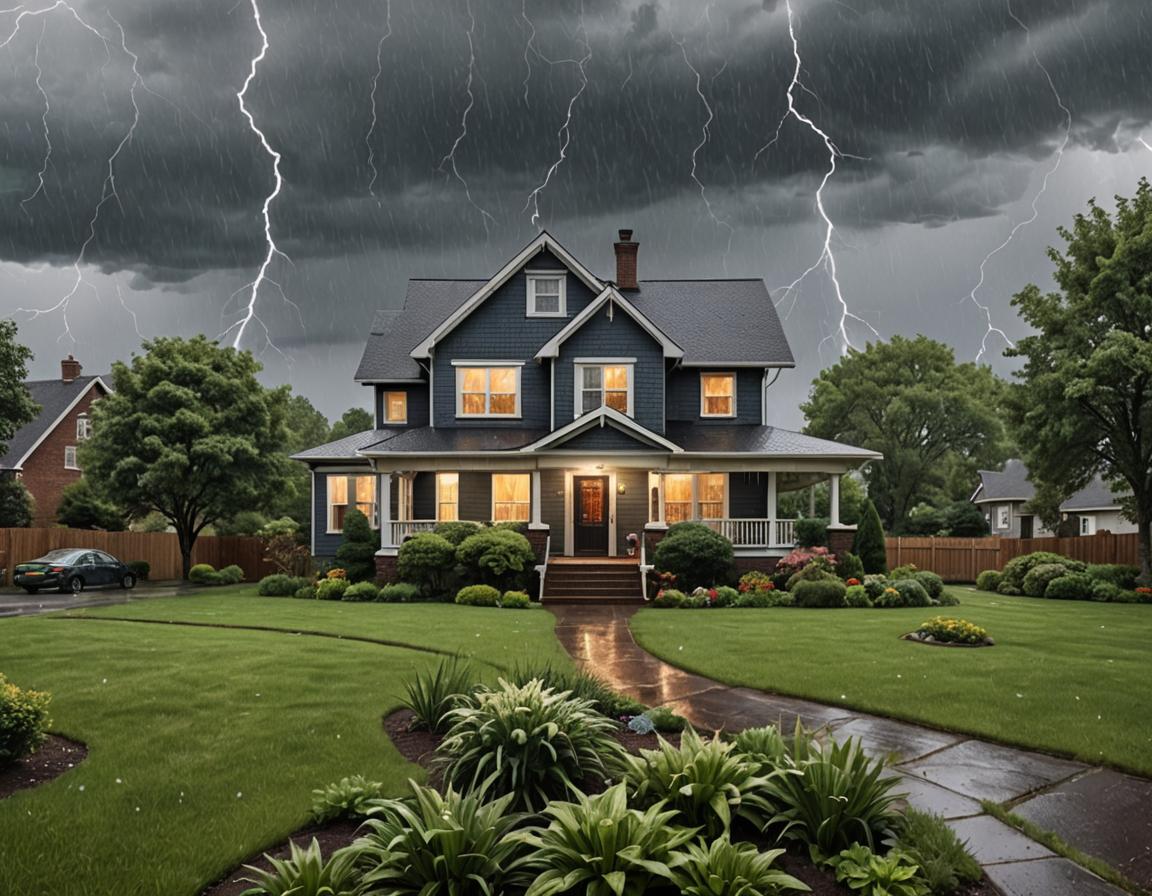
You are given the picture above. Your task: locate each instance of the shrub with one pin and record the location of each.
(202, 574)
(399, 593)
(798, 558)
(669, 598)
(280, 585)
(432, 694)
(813, 572)
(498, 557)
(140, 568)
(455, 531)
(665, 720)
(723, 868)
(1007, 588)
(528, 741)
(759, 600)
(811, 533)
(945, 865)
(868, 543)
(947, 599)
(1017, 568)
(1074, 586)
(305, 592)
(1118, 574)
(23, 721)
(695, 554)
(726, 596)
(857, 596)
(1036, 582)
(428, 561)
(361, 592)
(580, 684)
(912, 593)
(875, 585)
(930, 582)
(515, 600)
(889, 598)
(953, 631)
(305, 873)
(231, 575)
(357, 554)
(906, 571)
(869, 874)
(331, 589)
(850, 567)
(478, 596)
(1107, 592)
(820, 593)
(988, 580)
(756, 581)
(347, 798)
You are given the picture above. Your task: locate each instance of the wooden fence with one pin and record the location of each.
(160, 549)
(962, 559)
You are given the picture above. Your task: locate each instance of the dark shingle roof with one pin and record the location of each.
(425, 439)
(751, 439)
(346, 448)
(1009, 484)
(1096, 495)
(54, 397)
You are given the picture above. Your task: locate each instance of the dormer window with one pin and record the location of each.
(395, 407)
(546, 295)
(717, 395)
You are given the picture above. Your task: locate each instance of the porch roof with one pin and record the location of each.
(453, 440)
(761, 441)
(347, 448)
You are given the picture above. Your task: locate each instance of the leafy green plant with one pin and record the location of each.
(347, 798)
(816, 571)
(665, 720)
(331, 589)
(581, 684)
(280, 585)
(432, 844)
(811, 532)
(723, 868)
(669, 598)
(945, 864)
(988, 580)
(306, 873)
(695, 554)
(857, 596)
(306, 592)
(1039, 576)
(527, 740)
(726, 596)
(930, 582)
(1073, 586)
(599, 847)
(399, 593)
(202, 574)
(869, 543)
(1118, 574)
(868, 874)
(765, 747)
(23, 721)
(498, 557)
(850, 567)
(361, 592)
(231, 575)
(911, 592)
(827, 592)
(455, 531)
(140, 568)
(478, 596)
(948, 599)
(515, 600)
(429, 561)
(431, 695)
(1016, 569)
(357, 553)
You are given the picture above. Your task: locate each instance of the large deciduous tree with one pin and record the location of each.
(16, 405)
(352, 421)
(929, 415)
(1083, 403)
(188, 432)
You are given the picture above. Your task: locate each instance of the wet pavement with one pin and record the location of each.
(1100, 812)
(14, 602)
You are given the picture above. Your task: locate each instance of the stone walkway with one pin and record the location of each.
(1098, 811)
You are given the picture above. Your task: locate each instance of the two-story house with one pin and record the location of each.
(589, 409)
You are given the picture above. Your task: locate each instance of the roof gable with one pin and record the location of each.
(611, 298)
(573, 436)
(57, 399)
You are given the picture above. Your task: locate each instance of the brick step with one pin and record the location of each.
(592, 592)
(632, 581)
(597, 601)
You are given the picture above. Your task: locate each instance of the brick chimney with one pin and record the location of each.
(70, 369)
(626, 262)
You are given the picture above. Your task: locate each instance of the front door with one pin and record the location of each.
(590, 514)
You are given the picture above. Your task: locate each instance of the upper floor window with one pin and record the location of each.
(83, 427)
(511, 497)
(447, 497)
(717, 395)
(603, 384)
(395, 407)
(70, 458)
(546, 294)
(488, 391)
(346, 492)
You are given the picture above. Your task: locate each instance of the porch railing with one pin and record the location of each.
(755, 533)
(401, 529)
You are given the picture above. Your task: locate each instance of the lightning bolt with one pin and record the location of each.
(528, 48)
(44, 124)
(1059, 156)
(1146, 144)
(450, 156)
(375, 80)
(827, 258)
(564, 134)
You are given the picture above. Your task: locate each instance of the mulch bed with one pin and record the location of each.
(55, 756)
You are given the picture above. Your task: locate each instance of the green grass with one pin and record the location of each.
(1067, 677)
(205, 743)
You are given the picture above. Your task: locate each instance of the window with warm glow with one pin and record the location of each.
(604, 384)
(447, 497)
(396, 407)
(487, 391)
(357, 492)
(678, 497)
(511, 497)
(717, 395)
(707, 504)
(710, 494)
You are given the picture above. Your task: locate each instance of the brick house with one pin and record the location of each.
(42, 454)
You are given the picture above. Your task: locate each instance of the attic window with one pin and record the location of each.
(717, 395)
(395, 407)
(546, 294)
(83, 427)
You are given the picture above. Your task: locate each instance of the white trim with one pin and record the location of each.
(569, 521)
(601, 416)
(531, 276)
(384, 514)
(19, 465)
(700, 382)
(551, 348)
(603, 360)
(312, 470)
(485, 362)
(488, 368)
(1113, 508)
(578, 368)
(405, 381)
(436, 479)
(431, 392)
(492, 494)
(612, 514)
(755, 364)
(384, 406)
(540, 243)
(552, 396)
(75, 465)
(1086, 520)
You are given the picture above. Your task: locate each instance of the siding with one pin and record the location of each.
(424, 496)
(620, 337)
(552, 506)
(476, 496)
(631, 507)
(748, 495)
(499, 330)
(684, 395)
(605, 438)
(417, 405)
(326, 542)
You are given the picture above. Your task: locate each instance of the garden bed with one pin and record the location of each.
(55, 756)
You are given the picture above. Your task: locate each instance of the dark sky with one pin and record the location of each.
(949, 116)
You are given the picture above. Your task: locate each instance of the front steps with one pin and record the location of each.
(592, 582)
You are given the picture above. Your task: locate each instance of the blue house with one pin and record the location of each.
(588, 409)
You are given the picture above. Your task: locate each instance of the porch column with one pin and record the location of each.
(812, 501)
(834, 500)
(537, 522)
(660, 499)
(384, 496)
(771, 508)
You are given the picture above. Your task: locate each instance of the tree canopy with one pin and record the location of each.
(82, 508)
(935, 420)
(1083, 403)
(16, 405)
(352, 421)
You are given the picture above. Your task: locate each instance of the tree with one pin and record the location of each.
(16, 505)
(1083, 403)
(927, 414)
(188, 432)
(81, 508)
(16, 405)
(357, 554)
(795, 504)
(352, 421)
(307, 428)
(869, 543)
(963, 519)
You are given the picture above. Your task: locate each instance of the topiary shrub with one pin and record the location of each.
(813, 572)
(828, 592)
(695, 554)
(358, 552)
(1017, 568)
(1118, 574)
(331, 589)
(931, 583)
(455, 531)
(498, 557)
(669, 598)
(948, 599)
(869, 544)
(811, 533)
(1036, 582)
(23, 721)
(857, 596)
(912, 592)
(202, 574)
(428, 561)
(1073, 586)
(361, 592)
(399, 593)
(140, 568)
(515, 600)
(478, 596)
(280, 585)
(988, 580)
(231, 575)
(850, 567)
(726, 597)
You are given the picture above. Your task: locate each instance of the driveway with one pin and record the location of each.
(15, 602)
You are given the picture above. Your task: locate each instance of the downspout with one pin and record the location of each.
(766, 385)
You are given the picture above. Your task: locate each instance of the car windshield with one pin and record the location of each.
(61, 556)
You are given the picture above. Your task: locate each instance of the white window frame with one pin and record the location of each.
(373, 517)
(530, 278)
(487, 367)
(1003, 516)
(694, 502)
(578, 367)
(439, 519)
(1087, 524)
(527, 504)
(70, 462)
(388, 392)
(703, 404)
(83, 427)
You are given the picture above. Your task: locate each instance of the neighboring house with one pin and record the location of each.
(1004, 494)
(585, 408)
(43, 453)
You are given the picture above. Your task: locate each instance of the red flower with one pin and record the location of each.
(853, 581)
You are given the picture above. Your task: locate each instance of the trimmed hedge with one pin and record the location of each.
(427, 560)
(202, 574)
(988, 580)
(499, 557)
(478, 596)
(1073, 586)
(813, 572)
(1118, 574)
(455, 531)
(828, 592)
(1036, 582)
(696, 555)
(399, 593)
(361, 592)
(912, 592)
(669, 598)
(331, 589)
(931, 583)
(23, 721)
(280, 585)
(515, 600)
(1017, 568)
(231, 575)
(857, 596)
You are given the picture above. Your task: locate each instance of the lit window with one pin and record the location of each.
(710, 491)
(70, 458)
(546, 294)
(83, 427)
(358, 492)
(396, 407)
(717, 395)
(604, 384)
(487, 392)
(678, 497)
(511, 497)
(447, 497)
(707, 504)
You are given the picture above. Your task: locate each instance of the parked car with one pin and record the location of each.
(73, 569)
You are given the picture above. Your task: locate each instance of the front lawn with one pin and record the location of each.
(205, 743)
(1065, 676)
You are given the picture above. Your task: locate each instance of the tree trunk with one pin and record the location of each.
(1143, 521)
(186, 541)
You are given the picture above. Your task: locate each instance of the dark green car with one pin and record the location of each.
(73, 569)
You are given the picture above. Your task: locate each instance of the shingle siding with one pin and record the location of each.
(631, 507)
(684, 395)
(327, 542)
(552, 506)
(417, 405)
(424, 496)
(476, 496)
(748, 495)
(605, 438)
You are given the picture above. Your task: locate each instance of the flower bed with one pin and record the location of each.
(944, 631)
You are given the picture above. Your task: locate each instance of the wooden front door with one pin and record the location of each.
(590, 514)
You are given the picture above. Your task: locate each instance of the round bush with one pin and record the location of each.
(669, 598)
(912, 592)
(813, 572)
(811, 532)
(696, 555)
(280, 585)
(948, 599)
(231, 575)
(140, 568)
(498, 557)
(726, 596)
(756, 581)
(1118, 574)
(1073, 586)
(515, 600)
(1008, 588)
(931, 583)
(202, 574)
(1106, 592)
(23, 721)
(889, 598)
(331, 589)
(456, 531)
(1016, 569)
(857, 596)
(399, 593)
(478, 596)
(305, 592)
(988, 580)
(361, 592)
(427, 560)
(1036, 582)
(828, 592)
(850, 567)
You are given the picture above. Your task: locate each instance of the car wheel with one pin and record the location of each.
(31, 590)
(75, 584)
(128, 582)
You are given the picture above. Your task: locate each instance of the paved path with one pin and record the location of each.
(1101, 812)
(20, 603)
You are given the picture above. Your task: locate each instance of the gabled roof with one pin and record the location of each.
(610, 296)
(56, 399)
(1008, 484)
(745, 438)
(1096, 495)
(346, 448)
(604, 416)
